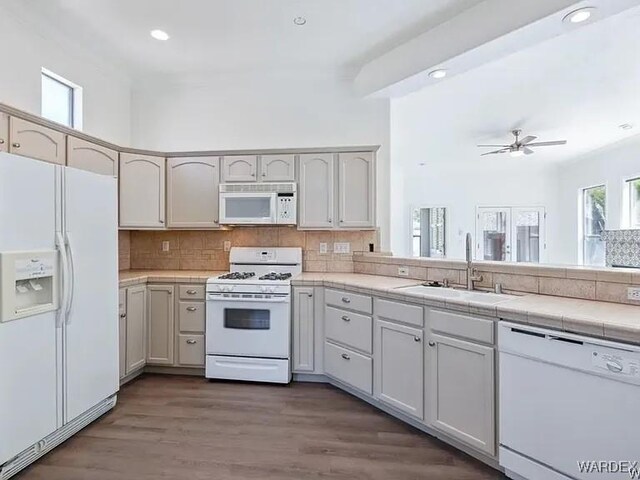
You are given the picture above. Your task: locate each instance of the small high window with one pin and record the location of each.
(61, 100)
(594, 208)
(633, 190)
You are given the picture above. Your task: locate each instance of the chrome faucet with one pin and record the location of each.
(472, 274)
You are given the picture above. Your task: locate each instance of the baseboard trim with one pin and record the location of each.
(131, 376)
(191, 371)
(310, 378)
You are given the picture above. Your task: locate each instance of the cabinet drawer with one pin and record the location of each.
(463, 326)
(191, 316)
(349, 367)
(352, 301)
(399, 312)
(352, 329)
(191, 350)
(192, 292)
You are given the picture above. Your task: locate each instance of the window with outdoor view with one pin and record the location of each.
(594, 206)
(634, 202)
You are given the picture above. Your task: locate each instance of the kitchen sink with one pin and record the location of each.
(464, 295)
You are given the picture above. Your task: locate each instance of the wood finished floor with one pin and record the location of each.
(169, 427)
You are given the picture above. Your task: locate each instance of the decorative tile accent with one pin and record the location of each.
(622, 248)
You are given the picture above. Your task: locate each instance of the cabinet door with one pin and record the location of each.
(136, 331)
(160, 337)
(303, 329)
(36, 141)
(89, 156)
(192, 192)
(461, 387)
(122, 324)
(141, 191)
(4, 132)
(277, 168)
(316, 191)
(356, 187)
(399, 367)
(239, 168)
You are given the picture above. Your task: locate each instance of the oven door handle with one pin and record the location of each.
(218, 298)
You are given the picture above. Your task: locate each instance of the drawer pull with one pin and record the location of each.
(191, 309)
(191, 341)
(16, 145)
(345, 318)
(1, 141)
(191, 292)
(346, 357)
(123, 315)
(416, 339)
(346, 300)
(432, 344)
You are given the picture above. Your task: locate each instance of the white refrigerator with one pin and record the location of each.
(59, 364)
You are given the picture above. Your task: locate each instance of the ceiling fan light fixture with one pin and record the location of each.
(516, 153)
(438, 73)
(580, 15)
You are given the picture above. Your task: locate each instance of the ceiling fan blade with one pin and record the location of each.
(547, 144)
(495, 152)
(527, 139)
(527, 151)
(503, 146)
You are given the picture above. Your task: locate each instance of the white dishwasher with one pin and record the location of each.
(566, 399)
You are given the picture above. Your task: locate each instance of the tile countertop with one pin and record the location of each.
(612, 321)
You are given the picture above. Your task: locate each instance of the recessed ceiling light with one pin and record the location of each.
(299, 21)
(579, 16)
(439, 73)
(625, 126)
(160, 35)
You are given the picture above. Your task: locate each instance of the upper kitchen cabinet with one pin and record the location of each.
(91, 157)
(192, 192)
(278, 168)
(36, 141)
(239, 168)
(356, 190)
(316, 185)
(4, 132)
(142, 187)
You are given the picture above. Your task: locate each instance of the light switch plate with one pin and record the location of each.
(165, 246)
(227, 245)
(342, 247)
(404, 271)
(323, 248)
(633, 293)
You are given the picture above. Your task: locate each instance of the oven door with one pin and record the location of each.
(248, 208)
(248, 328)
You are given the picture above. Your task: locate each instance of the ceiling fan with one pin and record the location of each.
(521, 146)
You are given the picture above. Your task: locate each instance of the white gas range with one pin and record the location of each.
(248, 332)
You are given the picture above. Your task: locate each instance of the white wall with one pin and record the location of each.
(263, 110)
(610, 166)
(26, 49)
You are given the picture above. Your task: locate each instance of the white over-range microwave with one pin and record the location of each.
(258, 204)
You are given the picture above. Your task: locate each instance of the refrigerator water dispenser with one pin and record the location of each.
(28, 284)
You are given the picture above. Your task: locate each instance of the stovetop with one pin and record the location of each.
(237, 276)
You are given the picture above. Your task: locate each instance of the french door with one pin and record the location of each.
(510, 234)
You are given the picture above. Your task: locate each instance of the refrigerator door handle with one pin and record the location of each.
(72, 278)
(64, 287)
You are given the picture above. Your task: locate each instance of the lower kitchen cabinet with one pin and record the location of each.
(349, 367)
(399, 367)
(160, 330)
(461, 389)
(122, 329)
(303, 329)
(191, 350)
(136, 349)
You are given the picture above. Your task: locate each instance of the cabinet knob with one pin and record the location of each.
(191, 309)
(1, 141)
(264, 174)
(346, 357)
(191, 292)
(161, 221)
(432, 344)
(345, 318)
(191, 341)
(15, 145)
(346, 300)
(123, 315)
(310, 295)
(416, 339)
(215, 221)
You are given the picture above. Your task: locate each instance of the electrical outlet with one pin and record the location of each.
(633, 293)
(342, 247)
(227, 245)
(323, 248)
(404, 271)
(165, 246)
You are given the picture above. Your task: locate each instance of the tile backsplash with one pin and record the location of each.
(622, 248)
(204, 250)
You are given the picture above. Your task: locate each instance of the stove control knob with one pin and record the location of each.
(264, 289)
(272, 289)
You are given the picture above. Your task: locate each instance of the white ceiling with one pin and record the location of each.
(237, 35)
(579, 86)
